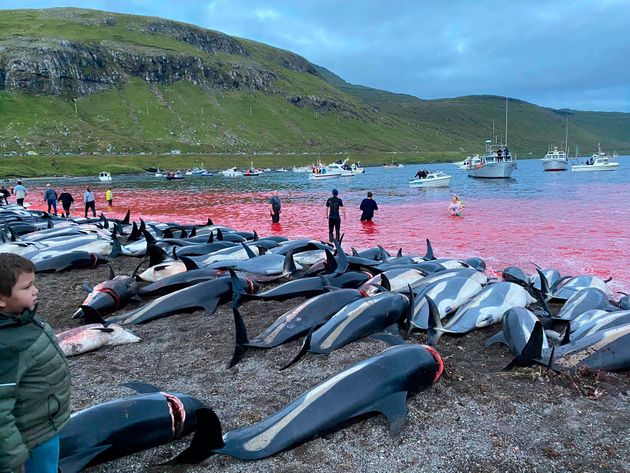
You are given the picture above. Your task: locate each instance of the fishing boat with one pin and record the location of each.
(174, 175)
(302, 169)
(432, 179)
(600, 161)
(498, 162)
(232, 172)
(345, 169)
(322, 172)
(251, 172)
(159, 173)
(104, 176)
(475, 159)
(555, 160)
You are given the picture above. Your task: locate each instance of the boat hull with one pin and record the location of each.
(439, 182)
(498, 170)
(594, 167)
(555, 165)
(327, 175)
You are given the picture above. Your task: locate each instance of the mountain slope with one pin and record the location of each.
(74, 80)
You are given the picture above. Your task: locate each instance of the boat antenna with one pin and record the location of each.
(506, 115)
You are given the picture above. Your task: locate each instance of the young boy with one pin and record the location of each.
(34, 375)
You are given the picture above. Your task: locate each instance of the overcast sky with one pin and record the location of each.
(555, 53)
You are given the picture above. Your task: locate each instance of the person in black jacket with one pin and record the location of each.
(34, 375)
(368, 206)
(4, 196)
(66, 200)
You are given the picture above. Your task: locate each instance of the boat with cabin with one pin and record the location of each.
(555, 160)
(475, 159)
(345, 169)
(432, 179)
(231, 172)
(600, 161)
(174, 175)
(104, 176)
(322, 172)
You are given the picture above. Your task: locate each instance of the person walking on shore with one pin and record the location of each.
(20, 193)
(368, 206)
(89, 201)
(108, 197)
(50, 197)
(332, 213)
(66, 200)
(274, 207)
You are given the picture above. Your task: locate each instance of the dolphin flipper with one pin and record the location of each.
(532, 352)
(208, 437)
(436, 329)
(303, 350)
(498, 338)
(210, 305)
(394, 407)
(78, 461)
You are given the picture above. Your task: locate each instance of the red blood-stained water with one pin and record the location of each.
(576, 238)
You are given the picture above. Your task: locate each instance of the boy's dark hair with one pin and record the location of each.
(11, 266)
(369, 194)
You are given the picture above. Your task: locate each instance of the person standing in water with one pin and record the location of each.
(456, 208)
(368, 206)
(108, 197)
(274, 207)
(332, 213)
(66, 200)
(89, 201)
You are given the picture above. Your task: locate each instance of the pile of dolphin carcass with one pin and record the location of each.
(349, 297)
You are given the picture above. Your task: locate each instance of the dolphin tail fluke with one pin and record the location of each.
(92, 316)
(240, 346)
(532, 352)
(208, 437)
(429, 255)
(342, 260)
(303, 350)
(436, 329)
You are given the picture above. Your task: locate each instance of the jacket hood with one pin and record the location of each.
(8, 320)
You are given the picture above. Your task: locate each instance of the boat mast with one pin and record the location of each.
(566, 137)
(506, 115)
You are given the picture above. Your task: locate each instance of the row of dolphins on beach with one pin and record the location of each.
(368, 293)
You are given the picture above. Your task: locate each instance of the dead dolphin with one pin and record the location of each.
(381, 383)
(295, 322)
(109, 295)
(583, 300)
(92, 337)
(126, 426)
(518, 325)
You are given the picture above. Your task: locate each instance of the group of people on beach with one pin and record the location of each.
(52, 198)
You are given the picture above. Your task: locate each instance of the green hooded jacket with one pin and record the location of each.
(34, 387)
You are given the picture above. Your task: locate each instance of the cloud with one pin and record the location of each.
(557, 53)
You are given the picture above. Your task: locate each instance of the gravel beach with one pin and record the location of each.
(475, 418)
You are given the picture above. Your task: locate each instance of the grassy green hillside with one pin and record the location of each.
(166, 85)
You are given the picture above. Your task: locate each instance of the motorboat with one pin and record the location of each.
(601, 163)
(432, 179)
(206, 173)
(497, 163)
(555, 160)
(252, 172)
(393, 165)
(475, 159)
(232, 172)
(195, 172)
(302, 169)
(322, 172)
(174, 175)
(159, 173)
(282, 170)
(104, 176)
(345, 169)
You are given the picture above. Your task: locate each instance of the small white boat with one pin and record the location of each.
(433, 179)
(252, 172)
(104, 176)
(174, 175)
(341, 167)
(281, 170)
(302, 169)
(159, 173)
(232, 172)
(393, 165)
(475, 159)
(498, 163)
(601, 163)
(555, 160)
(323, 173)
